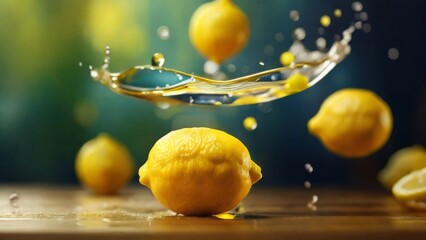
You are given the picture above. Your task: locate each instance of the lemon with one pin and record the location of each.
(219, 30)
(402, 163)
(411, 187)
(199, 171)
(352, 123)
(104, 165)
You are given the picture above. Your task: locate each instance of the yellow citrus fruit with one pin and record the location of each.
(352, 123)
(402, 163)
(104, 165)
(219, 30)
(199, 171)
(411, 186)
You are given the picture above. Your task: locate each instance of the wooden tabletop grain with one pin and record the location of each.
(46, 212)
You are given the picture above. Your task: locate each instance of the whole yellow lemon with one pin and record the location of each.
(219, 30)
(352, 123)
(199, 171)
(104, 165)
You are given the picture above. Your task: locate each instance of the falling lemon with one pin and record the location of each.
(199, 171)
(402, 163)
(352, 123)
(104, 165)
(219, 30)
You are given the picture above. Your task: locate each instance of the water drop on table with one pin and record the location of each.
(13, 200)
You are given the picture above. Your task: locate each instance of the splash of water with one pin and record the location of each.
(157, 83)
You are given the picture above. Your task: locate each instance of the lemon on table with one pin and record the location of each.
(352, 123)
(219, 30)
(411, 187)
(402, 163)
(104, 165)
(199, 171)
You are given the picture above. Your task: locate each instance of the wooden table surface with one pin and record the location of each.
(72, 213)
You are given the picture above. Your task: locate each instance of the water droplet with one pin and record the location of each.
(366, 27)
(269, 50)
(363, 16)
(261, 63)
(309, 168)
(163, 105)
(312, 207)
(337, 12)
(219, 75)
(325, 21)
(337, 37)
(94, 74)
(321, 43)
(107, 58)
(250, 123)
(211, 67)
(231, 68)
(264, 107)
(307, 184)
(294, 15)
(13, 200)
(299, 34)
(107, 50)
(158, 59)
(393, 53)
(163, 32)
(314, 199)
(358, 25)
(279, 37)
(357, 6)
(80, 64)
(321, 31)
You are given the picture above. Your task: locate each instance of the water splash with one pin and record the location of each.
(157, 83)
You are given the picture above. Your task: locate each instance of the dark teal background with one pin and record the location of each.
(49, 106)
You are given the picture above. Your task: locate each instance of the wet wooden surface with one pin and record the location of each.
(72, 213)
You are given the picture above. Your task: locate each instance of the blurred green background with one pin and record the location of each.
(49, 106)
